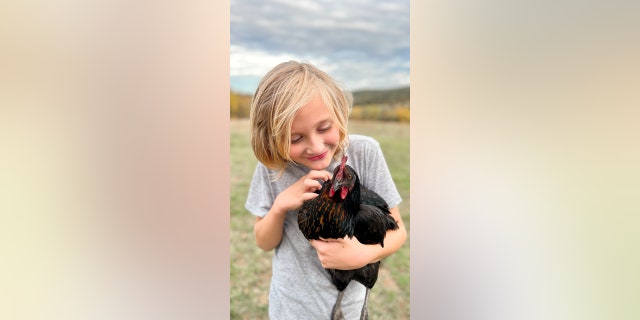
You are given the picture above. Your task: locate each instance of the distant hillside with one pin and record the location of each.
(389, 96)
(384, 105)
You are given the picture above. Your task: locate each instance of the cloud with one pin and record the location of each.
(364, 44)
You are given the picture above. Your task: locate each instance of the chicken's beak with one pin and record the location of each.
(340, 186)
(334, 187)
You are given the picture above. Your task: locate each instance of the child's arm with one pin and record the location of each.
(268, 230)
(347, 254)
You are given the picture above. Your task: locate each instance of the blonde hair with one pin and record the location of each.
(280, 94)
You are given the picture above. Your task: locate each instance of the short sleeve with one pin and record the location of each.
(260, 197)
(374, 171)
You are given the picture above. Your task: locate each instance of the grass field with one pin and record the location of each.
(251, 267)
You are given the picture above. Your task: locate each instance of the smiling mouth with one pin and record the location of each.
(318, 157)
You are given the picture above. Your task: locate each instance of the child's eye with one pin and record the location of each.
(325, 128)
(296, 139)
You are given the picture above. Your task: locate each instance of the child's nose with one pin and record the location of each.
(316, 144)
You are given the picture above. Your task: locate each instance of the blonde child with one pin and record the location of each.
(298, 132)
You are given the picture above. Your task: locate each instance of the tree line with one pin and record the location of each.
(379, 105)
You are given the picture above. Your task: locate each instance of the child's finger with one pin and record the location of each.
(319, 174)
(330, 239)
(309, 195)
(312, 185)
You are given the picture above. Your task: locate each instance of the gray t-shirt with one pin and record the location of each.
(300, 287)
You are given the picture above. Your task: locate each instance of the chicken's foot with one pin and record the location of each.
(364, 314)
(336, 313)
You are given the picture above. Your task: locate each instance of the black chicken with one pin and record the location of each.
(346, 208)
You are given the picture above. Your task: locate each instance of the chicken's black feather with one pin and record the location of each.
(361, 213)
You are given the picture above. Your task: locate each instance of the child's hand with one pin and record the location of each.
(344, 253)
(302, 190)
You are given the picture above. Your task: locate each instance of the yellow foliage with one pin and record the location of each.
(380, 113)
(403, 114)
(239, 105)
(356, 113)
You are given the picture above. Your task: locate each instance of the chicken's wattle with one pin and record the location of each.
(343, 192)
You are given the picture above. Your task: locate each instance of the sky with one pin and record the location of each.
(362, 44)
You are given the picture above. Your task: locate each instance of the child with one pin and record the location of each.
(298, 133)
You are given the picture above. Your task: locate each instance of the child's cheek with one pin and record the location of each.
(335, 137)
(295, 152)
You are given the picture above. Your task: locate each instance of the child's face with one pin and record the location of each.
(314, 135)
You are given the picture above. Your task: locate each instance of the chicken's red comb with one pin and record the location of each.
(341, 170)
